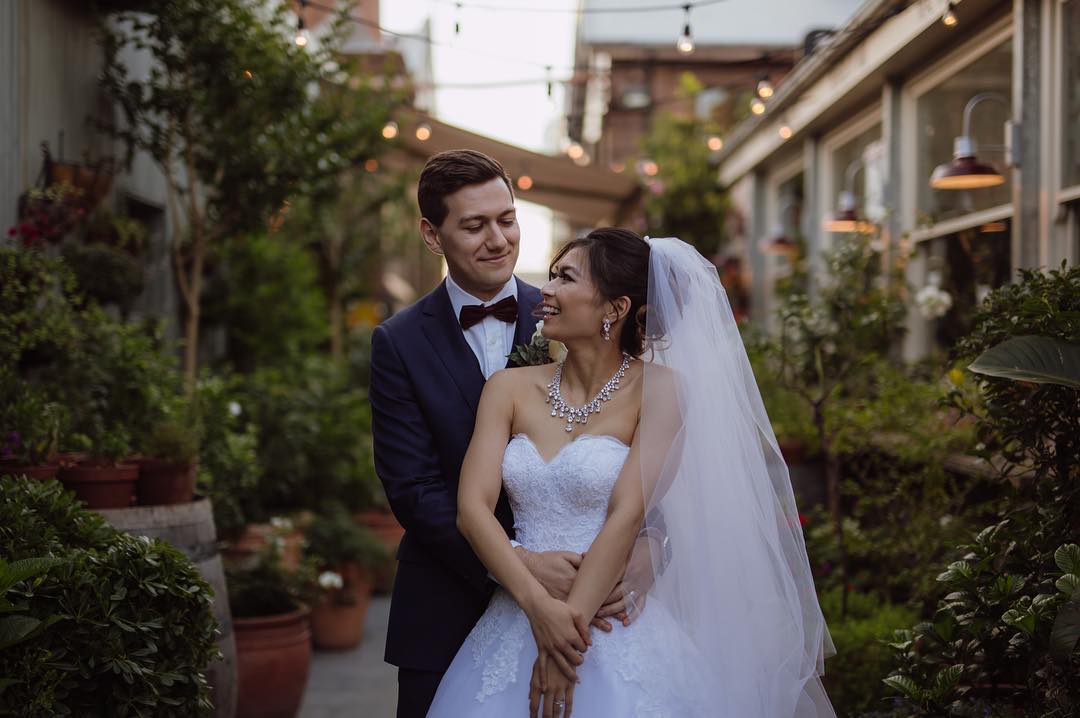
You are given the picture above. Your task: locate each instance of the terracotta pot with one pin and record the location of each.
(387, 528)
(273, 657)
(337, 622)
(242, 550)
(101, 487)
(71, 458)
(165, 482)
(41, 472)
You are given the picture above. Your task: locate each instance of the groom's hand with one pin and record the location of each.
(555, 570)
(625, 604)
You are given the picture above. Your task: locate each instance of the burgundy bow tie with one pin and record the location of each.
(505, 310)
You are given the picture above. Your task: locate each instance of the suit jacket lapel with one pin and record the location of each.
(442, 330)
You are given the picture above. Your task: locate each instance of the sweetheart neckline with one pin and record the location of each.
(579, 437)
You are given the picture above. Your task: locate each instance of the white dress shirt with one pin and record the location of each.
(490, 339)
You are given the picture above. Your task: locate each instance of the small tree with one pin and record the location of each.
(684, 199)
(833, 340)
(238, 118)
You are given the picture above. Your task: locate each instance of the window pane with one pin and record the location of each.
(940, 115)
(869, 172)
(967, 265)
(1070, 92)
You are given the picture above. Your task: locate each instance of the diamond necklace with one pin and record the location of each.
(580, 415)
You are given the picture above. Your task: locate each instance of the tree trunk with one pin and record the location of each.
(832, 499)
(191, 326)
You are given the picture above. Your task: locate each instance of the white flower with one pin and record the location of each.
(556, 350)
(933, 302)
(330, 580)
(281, 523)
(234, 408)
(945, 520)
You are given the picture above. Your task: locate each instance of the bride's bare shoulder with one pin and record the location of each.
(520, 380)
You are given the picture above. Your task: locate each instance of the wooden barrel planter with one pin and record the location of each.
(190, 528)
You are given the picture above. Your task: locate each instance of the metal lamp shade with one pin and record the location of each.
(965, 173)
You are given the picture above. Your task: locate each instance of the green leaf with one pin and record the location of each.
(15, 629)
(1069, 584)
(1067, 558)
(1042, 360)
(12, 573)
(946, 681)
(1066, 630)
(904, 685)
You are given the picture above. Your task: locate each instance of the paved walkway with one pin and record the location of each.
(356, 683)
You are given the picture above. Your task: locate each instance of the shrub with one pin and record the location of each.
(136, 629)
(853, 675)
(314, 438)
(1003, 639)
(333, 538)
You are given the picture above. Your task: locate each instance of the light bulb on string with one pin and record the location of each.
(715, 143)
(757, 106)
(390, 130)
(764, 88)
(785, 131)
(524, 182)
(302, 35)
(423, 132)
(949, 19)
(686, 40)
(575, 151)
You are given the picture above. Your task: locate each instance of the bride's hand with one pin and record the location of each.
(559, 689)
(561, 633)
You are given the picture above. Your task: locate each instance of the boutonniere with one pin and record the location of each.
(539, 350)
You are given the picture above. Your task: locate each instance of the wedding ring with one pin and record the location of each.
(558, 703)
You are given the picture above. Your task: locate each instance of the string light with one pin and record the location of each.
(757, 106)
(390, 130)
(949, 19)
(575, 151)
(302, 35)
(583, 10)
(715, 143)
(248, 74)
(371, 165)
(525, 182)
(764, 88)
(785, 131)
(423, 132)
(686, 40)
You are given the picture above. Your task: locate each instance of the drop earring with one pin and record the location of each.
(606, 331)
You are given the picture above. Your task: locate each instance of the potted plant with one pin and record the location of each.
(169, 464)
(47, 215)
(345, 554)
(29, 429)
(103, 480)
(273, 637)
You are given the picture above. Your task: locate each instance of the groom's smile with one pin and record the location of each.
(479, 237)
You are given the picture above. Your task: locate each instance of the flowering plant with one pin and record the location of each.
(46, 215)
(933, 302)
(539, 350)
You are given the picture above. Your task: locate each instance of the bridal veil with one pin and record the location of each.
(736, 575)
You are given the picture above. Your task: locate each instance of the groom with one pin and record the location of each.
(428, 367)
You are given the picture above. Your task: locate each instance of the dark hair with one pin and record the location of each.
(449, 171)
(619, 267)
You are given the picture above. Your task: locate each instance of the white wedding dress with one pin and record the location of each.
(646, 670)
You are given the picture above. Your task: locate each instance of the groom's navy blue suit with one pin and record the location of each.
(425, 388)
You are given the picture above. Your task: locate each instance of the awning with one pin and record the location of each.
(587, 196)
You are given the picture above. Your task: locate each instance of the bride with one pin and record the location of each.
(726, 622)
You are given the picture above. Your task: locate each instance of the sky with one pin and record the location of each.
(499, 45)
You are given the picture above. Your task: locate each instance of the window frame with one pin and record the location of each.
(969, 52)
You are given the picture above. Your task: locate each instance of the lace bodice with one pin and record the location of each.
(560, 505)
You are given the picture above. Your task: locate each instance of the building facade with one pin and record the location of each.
(876, 114)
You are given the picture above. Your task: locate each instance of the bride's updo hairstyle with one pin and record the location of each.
(619, 267)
